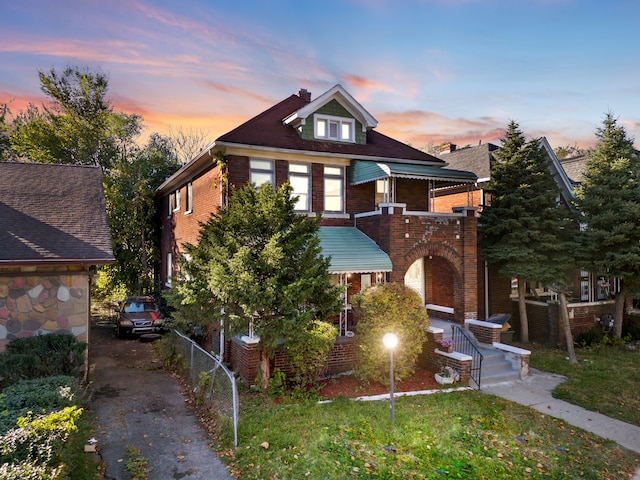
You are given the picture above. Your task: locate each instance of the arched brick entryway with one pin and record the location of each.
(442, 278)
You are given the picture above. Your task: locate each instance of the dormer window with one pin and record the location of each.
(334, 128)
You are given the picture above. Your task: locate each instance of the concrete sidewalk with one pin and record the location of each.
(535, 392)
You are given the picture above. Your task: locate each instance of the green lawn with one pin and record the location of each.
(606, 379)
(467, 435)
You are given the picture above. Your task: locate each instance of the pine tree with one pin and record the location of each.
(263, 264)
(524, 230)
(609, 200)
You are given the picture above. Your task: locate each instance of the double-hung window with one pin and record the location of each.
(333, 189)
(300, 179)
(382, 191)
(261, 171)
(335, 128)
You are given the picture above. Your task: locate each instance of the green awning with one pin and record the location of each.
(363, 171)
(351, 251)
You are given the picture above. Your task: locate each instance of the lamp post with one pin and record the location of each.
(390, 341)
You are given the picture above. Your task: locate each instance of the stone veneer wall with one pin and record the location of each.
(36, 303)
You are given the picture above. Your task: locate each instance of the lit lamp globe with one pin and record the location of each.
(390, 340)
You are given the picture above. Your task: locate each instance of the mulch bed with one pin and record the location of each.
(350, 387)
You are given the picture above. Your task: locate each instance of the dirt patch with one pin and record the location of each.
(351, 387)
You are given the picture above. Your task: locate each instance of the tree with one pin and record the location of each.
(5, 146)
(77, 126)
(609, 200)
(130, 188)
(569, 151)
(521, 228)
(381, 309)
(187, 144)
(262, 263)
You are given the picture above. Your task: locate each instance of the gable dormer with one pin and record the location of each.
(335, 116)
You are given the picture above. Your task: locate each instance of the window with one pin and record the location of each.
(300, 180)
(189, 200)
(172, 203)
(382, 191)
(176, 205)
(333, 189)
(334, 128)
(365, 281)
(261, 172)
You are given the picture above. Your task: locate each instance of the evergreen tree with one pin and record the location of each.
(262, 263)
(524, 230)
(609, 200)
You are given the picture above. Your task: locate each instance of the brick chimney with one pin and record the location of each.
(305, 95)
(447, 148)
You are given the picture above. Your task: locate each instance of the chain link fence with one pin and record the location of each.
(214, 385)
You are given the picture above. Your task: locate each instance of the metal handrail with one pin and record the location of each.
(465, 345)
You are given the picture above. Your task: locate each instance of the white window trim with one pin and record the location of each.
(307, 175)
(189, 199)
(176, 206)
(271, 171)
(342, 193)
(341, 121)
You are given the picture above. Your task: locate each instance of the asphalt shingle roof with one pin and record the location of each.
(474, 159)
(53, 213)
(268, 130)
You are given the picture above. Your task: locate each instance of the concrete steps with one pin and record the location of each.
(495, 368)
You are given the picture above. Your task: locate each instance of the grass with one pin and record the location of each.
(605, 380)
(453, 435)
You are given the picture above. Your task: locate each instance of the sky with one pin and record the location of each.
(429, 71)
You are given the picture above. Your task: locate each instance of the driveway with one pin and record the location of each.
(137, 403)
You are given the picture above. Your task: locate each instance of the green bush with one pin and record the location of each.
(40, 395)
(41, 356)
(381, 309)
(34, 449)
(308, 352)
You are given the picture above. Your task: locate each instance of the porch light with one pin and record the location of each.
(390, 341)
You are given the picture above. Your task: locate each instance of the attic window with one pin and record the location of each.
(334, 128)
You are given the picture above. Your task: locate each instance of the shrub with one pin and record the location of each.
(391, 307)
(41, 395)
(309, 352)
(591, 337)
(34, 449)
(42, 356)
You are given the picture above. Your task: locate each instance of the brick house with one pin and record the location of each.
(591, 296)
(375, 194)
(53, 228)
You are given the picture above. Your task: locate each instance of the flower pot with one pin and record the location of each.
(444, 380)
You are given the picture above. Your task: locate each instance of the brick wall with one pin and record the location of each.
(245, 358)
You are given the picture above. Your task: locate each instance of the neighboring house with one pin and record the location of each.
(591, 295)
(53, 228)
(375, 194)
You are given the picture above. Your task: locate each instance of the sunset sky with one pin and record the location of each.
(428, 70)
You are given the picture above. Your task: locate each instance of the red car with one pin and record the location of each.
(139, 315)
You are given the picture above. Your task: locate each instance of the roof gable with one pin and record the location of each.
(344, 98)
(53, 214)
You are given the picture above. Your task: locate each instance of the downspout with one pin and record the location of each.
(486, 290)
